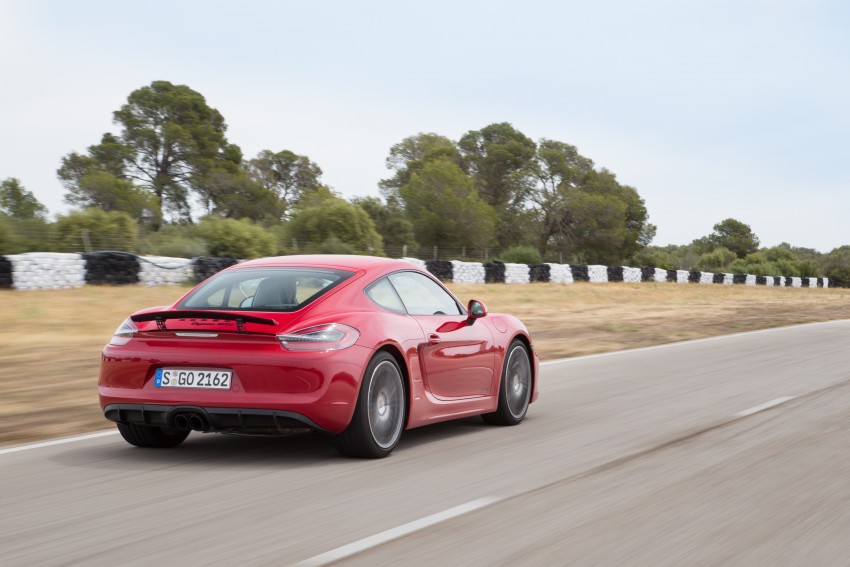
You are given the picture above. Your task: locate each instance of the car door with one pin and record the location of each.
(457, 357)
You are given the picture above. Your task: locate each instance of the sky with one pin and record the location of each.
(710, 109)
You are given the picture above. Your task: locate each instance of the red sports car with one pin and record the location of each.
(357, 347)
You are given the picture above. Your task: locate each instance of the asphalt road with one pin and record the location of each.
(727, 451)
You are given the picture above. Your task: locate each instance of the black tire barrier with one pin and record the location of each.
(540, 272)
(580, 273)
(205, 267)
(615, 273)
(494, 272)
(5, 273)
(116, 268)
(442, 269)
(112, 268)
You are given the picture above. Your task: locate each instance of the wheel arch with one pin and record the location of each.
(527, 342)
(395, 352)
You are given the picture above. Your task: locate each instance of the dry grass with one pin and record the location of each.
(50, 341)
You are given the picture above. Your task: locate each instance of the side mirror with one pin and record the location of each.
(476, 310)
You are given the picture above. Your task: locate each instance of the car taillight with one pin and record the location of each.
(332, 336)
(123, 333)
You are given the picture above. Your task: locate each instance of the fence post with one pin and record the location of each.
(435, 251)
(404, 251)
(86, 241)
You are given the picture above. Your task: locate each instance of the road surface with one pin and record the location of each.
(725, 451)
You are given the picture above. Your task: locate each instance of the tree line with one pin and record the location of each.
(493, 193)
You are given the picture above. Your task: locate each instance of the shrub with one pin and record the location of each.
(652, 257)
(7, 238)
(229, 238)
(333, 245)
(314, 226)
(762, 268)
(178, 241)
(103, 230)
(716, 260)
(521, 255)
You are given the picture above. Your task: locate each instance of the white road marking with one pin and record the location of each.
(764, 406)
(687, 342)
(57, 442)
(395, 533)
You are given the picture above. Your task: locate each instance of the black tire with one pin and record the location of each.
(149, 436)
(515, 387)
(380, 412)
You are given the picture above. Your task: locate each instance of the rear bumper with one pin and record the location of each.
(234, 420)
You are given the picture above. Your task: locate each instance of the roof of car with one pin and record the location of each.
(346, 262)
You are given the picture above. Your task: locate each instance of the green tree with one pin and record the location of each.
(445, 209)
(559, 164)
(390, 221)
(836, 266)
(637, 231)
(597, 234)
(17, 202)
(285, 174)
(236, 195)
(101, 189)
(560, 170)
(412, 153)
(316, 197)
(170, 140)
(337, 220)
(597, 220)
(102, 230)
(780, 252)
(501, 160)
(734, 235)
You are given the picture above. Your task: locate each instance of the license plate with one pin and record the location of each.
(192, 378)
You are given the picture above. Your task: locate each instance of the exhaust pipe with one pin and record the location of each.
(197, 423)
(181, 422)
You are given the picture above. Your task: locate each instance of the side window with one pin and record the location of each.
(422, 296)
(243, 293)
(384, 295)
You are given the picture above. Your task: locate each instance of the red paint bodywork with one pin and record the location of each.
(456, 377)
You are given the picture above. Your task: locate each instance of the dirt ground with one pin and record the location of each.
(50, 341)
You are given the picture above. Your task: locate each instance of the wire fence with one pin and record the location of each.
(27, 239)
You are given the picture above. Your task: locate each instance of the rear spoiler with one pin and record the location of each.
(162, 316)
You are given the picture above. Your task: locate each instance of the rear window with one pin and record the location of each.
(264, 289)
